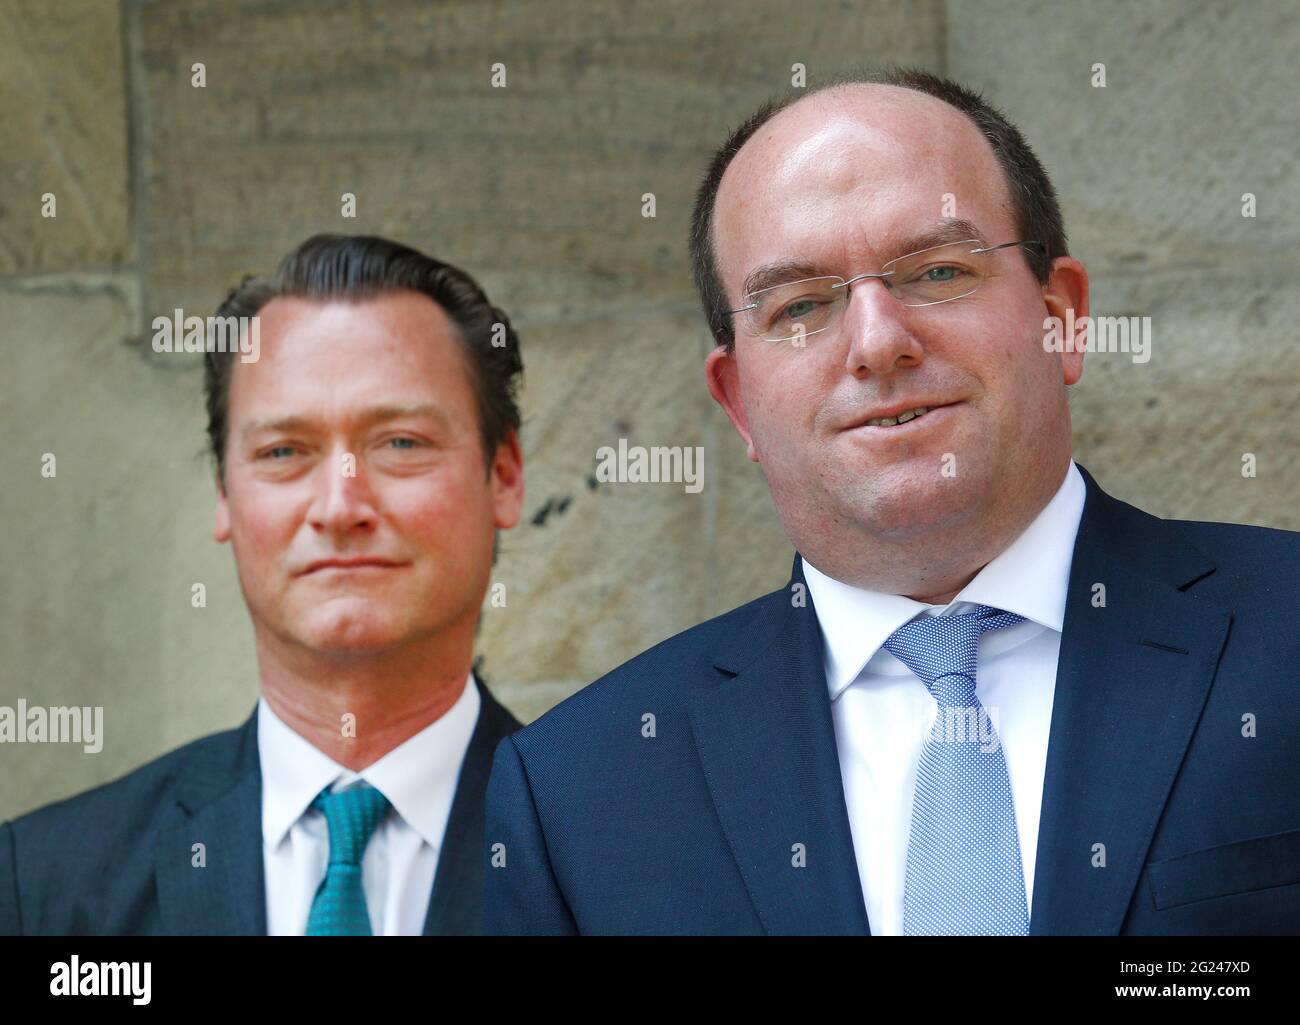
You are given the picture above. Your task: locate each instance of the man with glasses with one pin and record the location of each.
(790, 311)
(991, 699)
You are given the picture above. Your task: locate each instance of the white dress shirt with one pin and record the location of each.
(882, 712)
(419, 779)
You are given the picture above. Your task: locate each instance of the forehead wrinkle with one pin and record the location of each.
(366, 417)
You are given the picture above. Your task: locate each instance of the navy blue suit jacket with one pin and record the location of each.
(595, 827)
(116, 860)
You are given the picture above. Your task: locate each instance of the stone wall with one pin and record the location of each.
(167, 193)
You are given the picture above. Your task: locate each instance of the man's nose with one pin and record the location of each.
(876, 323)
(343, 499)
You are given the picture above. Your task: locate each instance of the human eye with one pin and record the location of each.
(402, 448)
(940, 273)
(801, 308)
(277, 453)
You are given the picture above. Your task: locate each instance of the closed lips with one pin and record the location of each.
(349, 564)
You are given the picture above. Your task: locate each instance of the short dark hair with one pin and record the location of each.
(361, 267)
(1037, 213)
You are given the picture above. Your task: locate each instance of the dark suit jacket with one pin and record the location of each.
(116, 860)
(693, 830)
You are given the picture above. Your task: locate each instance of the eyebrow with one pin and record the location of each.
(366, 418)
(950, 229)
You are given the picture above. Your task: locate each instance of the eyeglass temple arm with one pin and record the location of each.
(1005, 245)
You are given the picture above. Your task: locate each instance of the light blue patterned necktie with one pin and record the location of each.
(340, 905)
(964, 874)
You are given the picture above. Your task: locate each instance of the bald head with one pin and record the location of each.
(873, 167)
(896, 115)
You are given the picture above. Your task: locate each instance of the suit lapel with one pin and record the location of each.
(218, 805)
(455, 906)
(767, 744)
(1132, 680)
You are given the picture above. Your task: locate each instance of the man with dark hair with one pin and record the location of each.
(991, 699)
(364, 463)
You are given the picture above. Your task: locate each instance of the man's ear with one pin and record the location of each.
(1067, 289)
(221, 522)
(723, 376)
(507, 481)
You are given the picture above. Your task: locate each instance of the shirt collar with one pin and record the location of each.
(1029, 577)
(418, 776)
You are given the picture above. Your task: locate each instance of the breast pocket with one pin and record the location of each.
(1233, 868)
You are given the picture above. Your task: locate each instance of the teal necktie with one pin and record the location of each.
(340, 905)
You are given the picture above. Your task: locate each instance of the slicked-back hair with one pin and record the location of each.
(359, 267)
(1037, 213)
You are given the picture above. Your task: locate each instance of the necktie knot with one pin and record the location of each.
(943, 651)
(352, 815)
